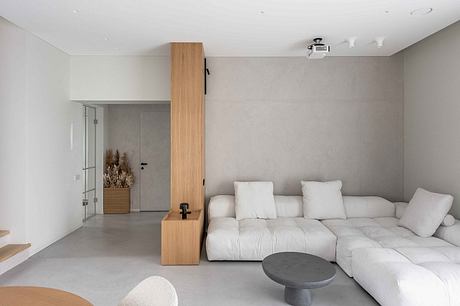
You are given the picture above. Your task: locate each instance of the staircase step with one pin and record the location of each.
(4, 233)
(10, 250)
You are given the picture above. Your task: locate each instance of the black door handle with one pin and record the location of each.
(144, 164)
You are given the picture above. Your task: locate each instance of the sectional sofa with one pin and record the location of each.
(397, 267)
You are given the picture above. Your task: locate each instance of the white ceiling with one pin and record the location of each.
(231, 27)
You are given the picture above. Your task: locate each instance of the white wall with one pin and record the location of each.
(432, 115)
(13, 99)
(41, 202)
(120, 78)
(288, 119)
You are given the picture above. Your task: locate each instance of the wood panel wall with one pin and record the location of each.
(187, 125)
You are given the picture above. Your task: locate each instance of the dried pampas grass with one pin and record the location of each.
(118, 172)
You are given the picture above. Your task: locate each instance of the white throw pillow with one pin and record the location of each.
(323, 200)
(254, 200)
(425, 212)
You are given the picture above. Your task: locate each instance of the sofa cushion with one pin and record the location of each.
(401, 282)
(423, 255)
(254, 200)
(425, 212)
(451, 252)
(368, 207)
(323, 200)
(449, 274)
(254, 239)
(361, 233)
(222, 241)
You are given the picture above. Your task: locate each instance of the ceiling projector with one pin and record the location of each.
(318, 50)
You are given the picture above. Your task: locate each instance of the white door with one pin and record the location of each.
(154, 150)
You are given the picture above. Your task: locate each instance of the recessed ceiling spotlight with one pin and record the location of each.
(379, 41)
(106, 38)
(76, 11)
(351, 42)
(422, 11)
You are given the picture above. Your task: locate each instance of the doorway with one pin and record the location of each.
(89, 162)
(142, 131)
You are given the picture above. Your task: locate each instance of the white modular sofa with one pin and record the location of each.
(254, 239)
(397, 267)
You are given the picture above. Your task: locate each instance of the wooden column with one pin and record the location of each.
(181, 239)
(187, 125)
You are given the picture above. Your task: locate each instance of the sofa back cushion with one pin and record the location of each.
(425, 212)
(223, 206)
(289, 206)
(368, 207)
(254, 200)
(323, 200)
(401, 207)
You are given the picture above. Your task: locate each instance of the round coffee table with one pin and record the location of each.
(299, 272)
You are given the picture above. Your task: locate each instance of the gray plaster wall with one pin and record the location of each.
(288, 119)
(123, 133)
(432, 115)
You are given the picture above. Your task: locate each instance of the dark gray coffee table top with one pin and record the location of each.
(299, 270)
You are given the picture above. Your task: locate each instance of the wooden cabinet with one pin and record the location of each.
(181, 239)
(187, 125)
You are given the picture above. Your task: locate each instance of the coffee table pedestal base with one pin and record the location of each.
(297, 297)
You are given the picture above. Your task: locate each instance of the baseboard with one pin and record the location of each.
(35, 249)
(135, 210)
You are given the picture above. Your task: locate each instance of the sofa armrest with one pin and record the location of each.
(450, 234)
(221, 206)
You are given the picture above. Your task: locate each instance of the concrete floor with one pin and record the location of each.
(110, 254)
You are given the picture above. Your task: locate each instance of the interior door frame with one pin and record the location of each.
(85, 167)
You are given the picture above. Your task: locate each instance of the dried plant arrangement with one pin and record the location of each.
(118, 172)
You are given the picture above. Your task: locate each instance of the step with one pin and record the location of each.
(12, 255)
(4, 238)
(10, 250)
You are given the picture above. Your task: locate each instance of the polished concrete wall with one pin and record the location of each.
(431, 120)
(288, 119)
